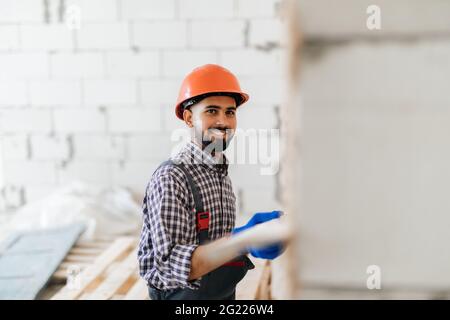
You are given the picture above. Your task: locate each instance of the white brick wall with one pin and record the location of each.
(77, 65)
(262, 91)
(27, 172)
(220, 34)
(21, 11)
(257, 8)
(160, 34)
(179, 63)
(202, 9)
(132, 65)
(15, 147)
(95, 172)
(148, 9)
(17, 93)
(248, 62)
(159, 92)
(12, 197)
(49, 147)
(72, 120)
(96, 10)
(122, 120)
(266, 118)
(110, 92)
(36, 193)
(24, 66)
(148, 146)
(55, 93)
(171, 122)
(97, 102)
(25, 120)
(265, 32)
(98, 147)
(46, 37)
(103, 36)
(9, 37)
(133, 174)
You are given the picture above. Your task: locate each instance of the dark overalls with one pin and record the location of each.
(219, 284)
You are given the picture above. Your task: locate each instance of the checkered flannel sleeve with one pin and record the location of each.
(166, 223)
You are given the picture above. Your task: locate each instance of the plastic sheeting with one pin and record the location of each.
(104, 211)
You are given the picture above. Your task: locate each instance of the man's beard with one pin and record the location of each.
(212, 144)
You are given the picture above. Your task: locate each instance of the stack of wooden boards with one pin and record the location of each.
(109, 271)
(112, 274)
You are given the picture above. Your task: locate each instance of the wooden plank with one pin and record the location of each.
(139, 291)
(92, 245)
(29, 258)
(79, 258)
(116, 279)
(263, 290)
(65, 265)
(90, 277)
(80, 251)
(247, 287)
(59, 275)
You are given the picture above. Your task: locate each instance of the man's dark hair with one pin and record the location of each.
(190, 102)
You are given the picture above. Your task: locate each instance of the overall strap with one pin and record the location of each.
(201, 216)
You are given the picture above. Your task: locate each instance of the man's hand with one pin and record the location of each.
(258, 218)
(268, 252)
(201, 262)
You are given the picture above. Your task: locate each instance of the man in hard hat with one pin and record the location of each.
(189, 201)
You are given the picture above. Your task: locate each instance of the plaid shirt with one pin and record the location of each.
(169, 234)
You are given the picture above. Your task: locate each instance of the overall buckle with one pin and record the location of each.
(202, 221)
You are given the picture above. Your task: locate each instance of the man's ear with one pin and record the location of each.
(187, 117)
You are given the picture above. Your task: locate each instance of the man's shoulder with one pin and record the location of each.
(169, 170)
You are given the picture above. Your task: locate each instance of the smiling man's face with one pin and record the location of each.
(214, 122)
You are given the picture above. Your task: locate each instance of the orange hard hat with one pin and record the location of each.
(210, 79)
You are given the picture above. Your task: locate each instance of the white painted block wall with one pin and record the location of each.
(96, 103)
